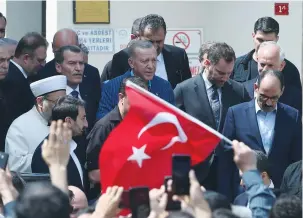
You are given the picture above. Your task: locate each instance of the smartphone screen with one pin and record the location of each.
(180, 171)
(139, 202)
(3, 160)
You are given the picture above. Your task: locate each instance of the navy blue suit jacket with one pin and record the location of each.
(39, 166)
(241, 124)
(89, 88)
(110, 91)
(291, 96)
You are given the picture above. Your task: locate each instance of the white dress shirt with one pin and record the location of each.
(161, 70)
(266, 122)
(73, 146)
(69, 91)
(20, 68)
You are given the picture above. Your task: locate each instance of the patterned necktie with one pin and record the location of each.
(75, 94)
(215, 103)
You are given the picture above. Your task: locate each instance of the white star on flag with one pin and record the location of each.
(139, 155)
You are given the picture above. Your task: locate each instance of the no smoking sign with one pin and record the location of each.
(181, 40)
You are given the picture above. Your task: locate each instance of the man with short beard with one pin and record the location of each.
(28, 130)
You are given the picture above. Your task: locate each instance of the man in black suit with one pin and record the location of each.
(4, 107)
(263, 167)
(207, 97)
(271, 56)
(265, 29)
(90, 85)
(71, 111)
(29, 57)
(172, 62)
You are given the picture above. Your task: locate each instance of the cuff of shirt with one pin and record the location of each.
(252, 177)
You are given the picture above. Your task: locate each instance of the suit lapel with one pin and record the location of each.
(278, 131)
(200, 89)
(253, 123)
(169, 63)
(225, 103)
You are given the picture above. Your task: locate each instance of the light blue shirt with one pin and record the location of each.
(266, 123)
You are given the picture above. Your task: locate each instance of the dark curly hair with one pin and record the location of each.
(287, 206)
(155, 21)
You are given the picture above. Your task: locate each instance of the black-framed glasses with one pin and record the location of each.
(263, 97)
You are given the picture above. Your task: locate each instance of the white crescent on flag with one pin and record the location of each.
(165, 117)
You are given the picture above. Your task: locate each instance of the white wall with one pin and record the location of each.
(220, 21)
(23, 17)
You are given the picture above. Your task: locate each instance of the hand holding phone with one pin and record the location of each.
(171, 204)
(139, 202)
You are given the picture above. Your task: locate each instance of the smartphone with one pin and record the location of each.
(124, 203)
(171, 205)
(180, 174)
(139, 202)
(3, 160)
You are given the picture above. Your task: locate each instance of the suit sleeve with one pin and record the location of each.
(15, 145)
(97, 93)
(179, 97)
(226, 166)
(246, 95)
(186, 69)
(171, 96)
(105, 103)
(296, 151)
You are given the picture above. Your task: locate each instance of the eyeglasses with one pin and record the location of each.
(265, 98)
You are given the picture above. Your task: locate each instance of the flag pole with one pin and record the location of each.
(177, 110)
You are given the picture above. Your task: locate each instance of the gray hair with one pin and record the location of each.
(204, 49)
(273, 43)
(84, 49)
(10, 41)
(3, 43)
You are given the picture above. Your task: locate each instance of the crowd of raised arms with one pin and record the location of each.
(145, 137)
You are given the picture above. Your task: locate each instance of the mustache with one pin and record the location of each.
(77, 74)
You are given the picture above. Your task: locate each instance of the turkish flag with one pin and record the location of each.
(139, 150)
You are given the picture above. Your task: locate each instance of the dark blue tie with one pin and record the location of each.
(75, 94)
(215, 104)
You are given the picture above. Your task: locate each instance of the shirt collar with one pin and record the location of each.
(257, 107)
(20, 68)
(271, 185)
(73, 146)
(208, 84)
(149, 81)
(115, 115)
(69, 90)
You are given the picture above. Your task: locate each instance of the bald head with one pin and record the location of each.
(270, 56)
(78, 201)
(64, 37)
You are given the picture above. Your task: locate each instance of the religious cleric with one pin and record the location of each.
(28, 130)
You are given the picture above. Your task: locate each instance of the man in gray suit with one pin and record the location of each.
(207, 97)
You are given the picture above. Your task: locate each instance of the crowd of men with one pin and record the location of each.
(255, 99)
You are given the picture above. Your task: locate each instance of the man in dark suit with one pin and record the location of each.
(263, 124)
(207, 97)
(263, 167)
(265, 29)
(71, 110)
(271, 56)
(143, 64)
(29, 57)
(90, 85)
(4, 91)
(172, 62)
